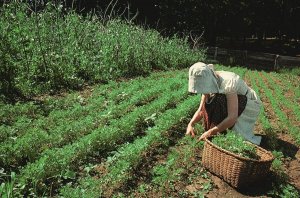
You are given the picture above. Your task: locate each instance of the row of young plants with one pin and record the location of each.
(263, 114)
(121, 167)
(280, 182)
(58, 162)
(15, 119)
(11, 113)
(289, 74)
(87, 119)
(182, 166)
(52, 48)
(156, 79)
(274, 99)
(120, 173)
(279, 91)
(43, 105)
(290, 83)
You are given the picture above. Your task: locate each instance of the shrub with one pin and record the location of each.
(54, 48)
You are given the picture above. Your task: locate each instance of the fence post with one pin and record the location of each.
(216, 53)
(276, 62)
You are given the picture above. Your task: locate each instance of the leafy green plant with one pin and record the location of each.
(235, 143)
(167, 173)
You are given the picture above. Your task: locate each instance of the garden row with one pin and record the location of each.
(59, 161)
(274, 92)
(120, 168)
(274, 122)
(121, 126)
(61, 127)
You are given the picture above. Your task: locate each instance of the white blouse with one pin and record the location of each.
(229, 83)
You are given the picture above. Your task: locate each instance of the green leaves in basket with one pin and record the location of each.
(236, 144)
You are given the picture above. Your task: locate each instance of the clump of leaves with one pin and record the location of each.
(235, 143)
(272, 141)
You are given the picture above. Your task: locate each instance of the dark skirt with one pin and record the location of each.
(215, 109)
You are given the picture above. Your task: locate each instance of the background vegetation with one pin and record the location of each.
(51, 48)
(228, 23)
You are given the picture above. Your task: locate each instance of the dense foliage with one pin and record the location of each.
(230, 18)
(52, 48)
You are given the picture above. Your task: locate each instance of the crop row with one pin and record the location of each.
(263, 114)
(182, 167)
(290, 83)
(63, 131)
(281, 186)
(20, 118)
(294, 131)
(59, 161)
(121, 167)
(279, 93)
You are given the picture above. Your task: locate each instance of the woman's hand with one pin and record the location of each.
(209, 133)
(206, 134)
(190, 130)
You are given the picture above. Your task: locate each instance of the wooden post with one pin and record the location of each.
(245, 57)
(216, 53)
(276, 62)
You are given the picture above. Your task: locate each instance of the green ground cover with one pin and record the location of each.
(93, 140)
(120, 125)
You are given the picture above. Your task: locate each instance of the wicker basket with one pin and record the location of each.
(235, 170)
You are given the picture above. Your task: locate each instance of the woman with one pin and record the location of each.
(227, 102)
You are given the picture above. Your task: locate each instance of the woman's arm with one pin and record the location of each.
(232, 107)
(196, 118)
(198, 114)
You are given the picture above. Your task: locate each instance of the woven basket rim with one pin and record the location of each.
(270, 155)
